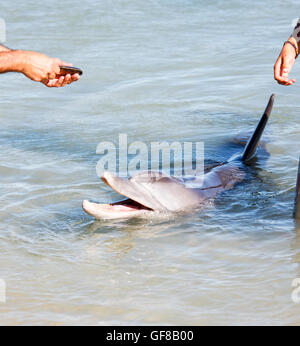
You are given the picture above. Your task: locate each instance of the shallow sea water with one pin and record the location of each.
(157, 71)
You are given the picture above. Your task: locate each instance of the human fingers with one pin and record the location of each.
(286, 66)
(277, 69)
(55, 82)
(75, 77)
(283, 80)
(51, 83)
(67, 79)
(281, 71)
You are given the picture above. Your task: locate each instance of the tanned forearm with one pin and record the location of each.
(10, 61)
(36, 66)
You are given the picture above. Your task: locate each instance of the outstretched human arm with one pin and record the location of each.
(36, 66)
(287, 58)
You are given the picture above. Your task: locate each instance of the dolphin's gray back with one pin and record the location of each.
(221, 178)
(163, 192)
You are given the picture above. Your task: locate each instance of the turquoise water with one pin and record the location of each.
(158, 71)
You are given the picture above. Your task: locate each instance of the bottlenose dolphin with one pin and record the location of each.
(150, 192)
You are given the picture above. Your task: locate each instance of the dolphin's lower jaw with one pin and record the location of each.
(123, 209)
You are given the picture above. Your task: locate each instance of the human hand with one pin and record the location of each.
(62, 80)
(40, 68)
(284, 64)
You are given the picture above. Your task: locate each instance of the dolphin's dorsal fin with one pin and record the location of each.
(297, 201)
(253, 142)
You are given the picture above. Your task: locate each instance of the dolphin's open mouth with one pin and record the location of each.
(121, 209)
(128, 205)
(124, 208)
